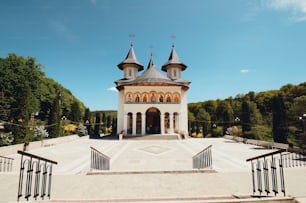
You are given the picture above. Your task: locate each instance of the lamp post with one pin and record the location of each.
(303, 119)
(63, 119)
(237, 120)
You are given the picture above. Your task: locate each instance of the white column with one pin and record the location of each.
(125, 123)
(134, 124)
(171, 123)
(177, 121)
(143, 123)
(162, 123)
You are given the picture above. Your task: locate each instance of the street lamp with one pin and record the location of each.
(237, 120)
(303, 119)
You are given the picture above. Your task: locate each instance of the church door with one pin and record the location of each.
(153, 121)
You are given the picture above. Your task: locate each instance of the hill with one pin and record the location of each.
(28, 95)
(269, 115)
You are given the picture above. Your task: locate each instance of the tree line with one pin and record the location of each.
(274, 115)
(28, 98)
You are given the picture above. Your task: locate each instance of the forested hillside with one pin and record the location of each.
(28, 98)
(270, 115)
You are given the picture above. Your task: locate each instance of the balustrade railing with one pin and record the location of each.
(6, 164)
(203, 159)
(294, 158)
(268, 173)
(98, 160)
(38, 169)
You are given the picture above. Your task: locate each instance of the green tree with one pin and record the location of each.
(97, 124)
(280, 128)
(55, 118)
(75, 114)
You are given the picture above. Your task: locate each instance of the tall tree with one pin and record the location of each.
(76, 114)
(280, 128)
(55, 117)
(245, 117)
(97, 124)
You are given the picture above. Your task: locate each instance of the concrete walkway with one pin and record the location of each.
(160, 160)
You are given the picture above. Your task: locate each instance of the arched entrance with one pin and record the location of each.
(153, 121)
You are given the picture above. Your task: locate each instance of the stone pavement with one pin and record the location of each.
(167, 165)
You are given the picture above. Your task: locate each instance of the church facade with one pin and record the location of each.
(150, 102)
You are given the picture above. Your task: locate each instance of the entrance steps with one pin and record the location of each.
(153, 137)
(221, 199)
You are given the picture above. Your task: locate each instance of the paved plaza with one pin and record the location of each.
(150, 170)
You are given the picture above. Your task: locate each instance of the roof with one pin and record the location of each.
(173, 60)
(131, 59)
(151, 76)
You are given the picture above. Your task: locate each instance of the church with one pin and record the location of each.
(150, 102)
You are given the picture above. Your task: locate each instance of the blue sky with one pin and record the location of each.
(230, 47)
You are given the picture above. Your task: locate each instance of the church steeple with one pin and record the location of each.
(130, 65)
(174, 65)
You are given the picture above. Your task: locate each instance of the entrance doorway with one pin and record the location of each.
(153, 121)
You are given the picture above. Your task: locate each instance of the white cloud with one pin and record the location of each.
(62, 30)
(112, 89)
(297, 8)
(245, 71)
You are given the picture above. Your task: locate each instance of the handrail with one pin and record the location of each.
(98, 160)
(203, 159)
(7, 164)
(37, 169)
(6, 157)
(266, 155)
(35, 156)
(202, 151)
(100, 153)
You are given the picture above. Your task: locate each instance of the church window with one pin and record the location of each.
(174, 73)
(130, 72)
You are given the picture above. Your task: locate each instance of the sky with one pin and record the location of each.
(230, 47)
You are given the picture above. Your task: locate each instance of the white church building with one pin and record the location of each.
(150, 102)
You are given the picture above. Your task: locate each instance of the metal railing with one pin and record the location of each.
(203, 159)
(268, 173)
(98, 160)
(6, 164)
(294, 158)
(38, 169)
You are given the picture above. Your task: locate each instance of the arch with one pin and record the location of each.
(129, 123)
(168, 97)
(137, 97)
(129, 97)
(167, 122)
(161, 97)
(138, 123)
(176, 97)
(153, 96)
(153, 121)
(145, 97)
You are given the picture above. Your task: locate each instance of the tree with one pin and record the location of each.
(75, 114)
(204, 119)
(54, 118)
(97, 124)
(245, 117)
(280, 128)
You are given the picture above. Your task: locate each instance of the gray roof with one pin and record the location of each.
(173, 59)
(131, 59)
(152, 75)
